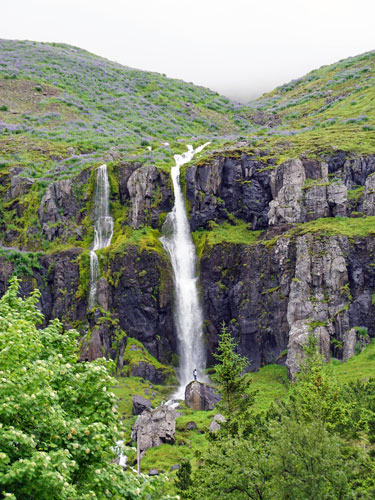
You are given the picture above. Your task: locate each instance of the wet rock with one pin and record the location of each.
(142, 301)
(140, 404)
(155, 427)
(199, 396)
(102, 293)
(215, 422)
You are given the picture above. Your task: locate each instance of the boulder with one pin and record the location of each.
(215, 422)
(200, 396)
(155, 427)
(153, 472)
(140, 404)
(191, 426)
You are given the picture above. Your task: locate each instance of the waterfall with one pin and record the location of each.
(188, 313)
(103, 228)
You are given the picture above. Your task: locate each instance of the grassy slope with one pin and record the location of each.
(330, 108)
(53, 96)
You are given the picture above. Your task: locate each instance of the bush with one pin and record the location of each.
(58, 418)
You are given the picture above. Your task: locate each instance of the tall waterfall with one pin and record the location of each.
(188, 313)
(103, 228)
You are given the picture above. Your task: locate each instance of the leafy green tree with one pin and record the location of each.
(234, 387)
(58, 418)
(306, 461)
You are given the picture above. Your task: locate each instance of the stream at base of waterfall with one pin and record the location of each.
(177, 241)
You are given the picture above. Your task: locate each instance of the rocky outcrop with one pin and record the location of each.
(150, 196)
(302, 192)
(247, 288)
(272, 297)
(105, 340)
(149, 372)
(238, 186)
(62, 208)
(266, 119)
(19, 186)
(287, 183)
(369, 196)
(141, 299)
(140, 404)
(137, 299)
(199, 396)
(271, 294)
(319, 295)
(350, 341)
(155, 427)
(255, 190)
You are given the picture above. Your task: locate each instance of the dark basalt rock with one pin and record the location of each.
(148, 372)
(229, 186)
(256, 191)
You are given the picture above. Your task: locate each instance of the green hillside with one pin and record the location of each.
(329, 108)
(62, 103)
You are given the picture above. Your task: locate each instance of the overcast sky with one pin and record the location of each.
(240, 48)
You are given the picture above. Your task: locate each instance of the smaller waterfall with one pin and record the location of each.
(188, 313)
(103, 228)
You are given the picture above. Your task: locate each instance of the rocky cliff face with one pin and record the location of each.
(274, 293)
(272, 297)
(271, 292)
(134, 292)
(250, 188)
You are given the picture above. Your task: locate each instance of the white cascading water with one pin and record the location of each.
(103, 228)
(188, 312)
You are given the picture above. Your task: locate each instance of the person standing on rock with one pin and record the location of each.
(195, 374)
